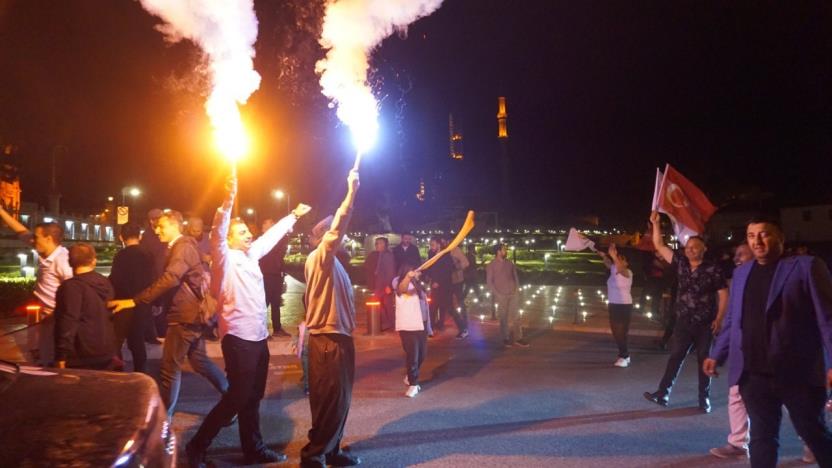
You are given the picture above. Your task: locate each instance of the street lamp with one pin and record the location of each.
(132, 191)
(280, 195)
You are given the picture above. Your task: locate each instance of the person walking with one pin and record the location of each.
(272, 267)
(620, 300)
(441, 305)
(701, 297)
(502, 280)
(778, 343)
(379, 269)
(238, 284)
(330, 318)
(458, 288)
(411, 323)
(132, 271)
(180, 288)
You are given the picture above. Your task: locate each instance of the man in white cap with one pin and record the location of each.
(330, 318)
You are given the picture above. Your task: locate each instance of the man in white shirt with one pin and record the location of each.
(53, 269)
(238, 285)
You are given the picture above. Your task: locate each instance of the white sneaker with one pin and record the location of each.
(622, 362)
(412, 391)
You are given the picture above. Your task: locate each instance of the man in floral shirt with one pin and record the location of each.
(702, 296)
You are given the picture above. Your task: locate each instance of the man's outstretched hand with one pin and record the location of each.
(120, 304)
(231, 185)
(709, 367)
(301, 210)
(352, 181)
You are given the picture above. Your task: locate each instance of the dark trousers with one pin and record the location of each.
(388, 309)
(273, 284)
(130, 325)
(764, 396)
(331, 375)
(183, 341)
(441, 306)
(415, 344)
(458, 296)
(685, 338)
(620, 326)
(247, 366)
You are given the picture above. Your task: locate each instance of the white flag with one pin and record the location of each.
(577, 242)
(657, 189)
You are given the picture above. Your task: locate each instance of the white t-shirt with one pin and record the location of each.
(52, 271)
(408, 309)
(618, 287)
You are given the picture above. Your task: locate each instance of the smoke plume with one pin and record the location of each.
(351, 30)
(226, 31)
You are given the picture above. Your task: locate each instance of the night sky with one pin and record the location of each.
(734, 94)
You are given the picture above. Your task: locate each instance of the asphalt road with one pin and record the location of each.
(558, 403)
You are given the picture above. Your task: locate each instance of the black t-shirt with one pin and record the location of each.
(755, 329)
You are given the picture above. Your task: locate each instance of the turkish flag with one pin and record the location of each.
(684, 203)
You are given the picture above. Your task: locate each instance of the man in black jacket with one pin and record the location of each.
(132, 271)
(407, 252)
(178, 287)
(440, 289)
(83, 330)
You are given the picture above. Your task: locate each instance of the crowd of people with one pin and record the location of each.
(766, 313)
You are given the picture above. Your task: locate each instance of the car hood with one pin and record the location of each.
(71, 417)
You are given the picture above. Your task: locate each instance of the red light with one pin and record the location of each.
(373, 301)
(32, 308)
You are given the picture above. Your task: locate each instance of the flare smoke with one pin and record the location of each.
(226, 31)
(351, 30)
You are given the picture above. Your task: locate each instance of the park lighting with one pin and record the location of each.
(551, 319)
(250, 211)
(109, 199)
(649, 315)
(638, 306)
(647, 297)
(584, 314)
(482, 318)
(521, 311)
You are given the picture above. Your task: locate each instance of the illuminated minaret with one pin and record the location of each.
(454, 140)
(505, 167)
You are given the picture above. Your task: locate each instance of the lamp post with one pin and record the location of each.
(280, 195)
(134, 192)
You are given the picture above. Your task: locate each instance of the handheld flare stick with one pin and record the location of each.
(460, 236)
(357, 161)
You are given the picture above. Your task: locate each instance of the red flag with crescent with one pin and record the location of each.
(684, 202)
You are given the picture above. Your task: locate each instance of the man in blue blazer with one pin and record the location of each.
(777, 337)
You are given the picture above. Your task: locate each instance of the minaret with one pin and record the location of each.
(505, 167)
(454, 140)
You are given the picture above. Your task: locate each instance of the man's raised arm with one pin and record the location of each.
(341, 221)
(660, 246)
(265, 243)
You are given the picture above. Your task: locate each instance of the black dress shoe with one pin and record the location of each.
(342, 459)
(705, 405)
(196, 458)
(266, 456)
(657, 398)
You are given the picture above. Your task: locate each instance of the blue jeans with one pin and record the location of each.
(181, 341)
